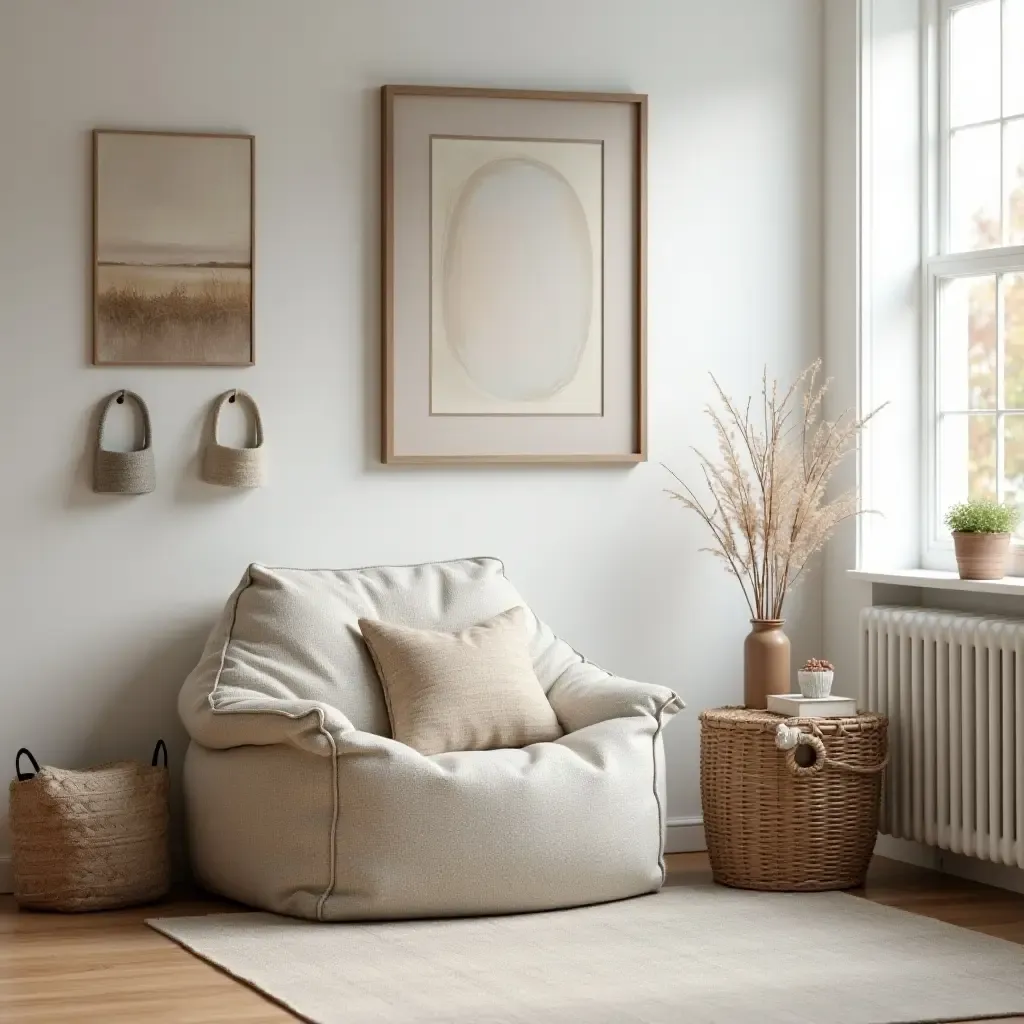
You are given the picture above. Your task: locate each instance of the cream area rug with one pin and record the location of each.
(688, 955)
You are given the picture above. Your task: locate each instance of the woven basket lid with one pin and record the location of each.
(767, 721)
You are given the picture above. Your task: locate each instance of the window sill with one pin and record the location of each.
(937, 579)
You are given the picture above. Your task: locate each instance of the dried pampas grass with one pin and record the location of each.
(768, 511)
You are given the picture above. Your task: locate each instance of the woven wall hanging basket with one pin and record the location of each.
(803, 818)
(124, 472)
(90, 840)
(235, 467)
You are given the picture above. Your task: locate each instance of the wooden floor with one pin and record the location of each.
(110, 967)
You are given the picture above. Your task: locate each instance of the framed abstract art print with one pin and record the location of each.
(513, 276)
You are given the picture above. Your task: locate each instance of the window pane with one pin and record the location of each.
(967, 355)
(1013, 338)
(974, 63)
(967, 459)
(1013, 176)
(1013, 57)
(974, 186)
(1013, 478)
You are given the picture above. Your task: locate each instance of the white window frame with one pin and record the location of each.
(939, 266)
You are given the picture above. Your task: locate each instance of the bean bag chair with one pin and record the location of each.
(300, 802)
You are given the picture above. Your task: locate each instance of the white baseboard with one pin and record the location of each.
(908, 852)
(999, 875)
(685, 835)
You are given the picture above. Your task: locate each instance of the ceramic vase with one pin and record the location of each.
(766, 662)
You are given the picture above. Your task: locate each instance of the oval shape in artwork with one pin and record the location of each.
(518, 280)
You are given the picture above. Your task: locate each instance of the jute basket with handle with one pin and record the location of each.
(235, 467)
(124, 472)
(90, 840)
(792, 808)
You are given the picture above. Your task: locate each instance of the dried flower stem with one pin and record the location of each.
(768, 514)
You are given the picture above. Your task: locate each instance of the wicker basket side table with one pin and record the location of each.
(802, 819)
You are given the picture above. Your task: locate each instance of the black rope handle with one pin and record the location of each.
(25, 776)
(160, 745)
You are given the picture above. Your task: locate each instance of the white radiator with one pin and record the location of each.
(952, 685)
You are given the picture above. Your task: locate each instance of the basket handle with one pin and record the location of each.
(119, 397)
(232, 396)
(790, 738)
(160, 745)
(25, 776)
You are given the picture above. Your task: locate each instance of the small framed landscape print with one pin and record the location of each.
(172, 248)
(513, 276)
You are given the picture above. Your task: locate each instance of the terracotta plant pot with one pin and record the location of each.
(981, 556)
(766, 665)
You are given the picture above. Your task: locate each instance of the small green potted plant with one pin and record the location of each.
(981, 538)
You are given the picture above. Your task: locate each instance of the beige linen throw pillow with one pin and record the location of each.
(474, 690)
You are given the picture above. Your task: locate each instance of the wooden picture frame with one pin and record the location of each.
(173, 279)
(430, 415)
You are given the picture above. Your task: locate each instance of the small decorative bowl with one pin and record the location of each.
(815, 684)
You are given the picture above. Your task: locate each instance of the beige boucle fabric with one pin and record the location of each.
(292, 761)
(472, 690)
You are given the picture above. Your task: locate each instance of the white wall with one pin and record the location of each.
(872, 310)
(106, 600)
(843, 598)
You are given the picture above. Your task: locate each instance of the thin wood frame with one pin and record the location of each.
(96, 133)
(388, 454)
